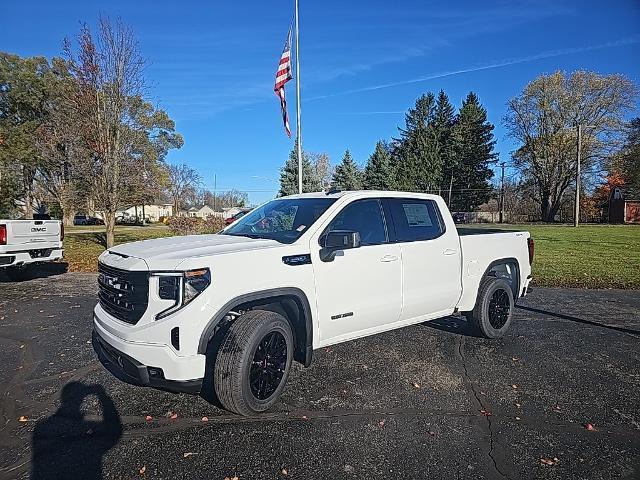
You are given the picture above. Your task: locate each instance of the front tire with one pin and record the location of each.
(491, 316)
(253, 361)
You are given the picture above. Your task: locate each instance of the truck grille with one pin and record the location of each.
(122, 293)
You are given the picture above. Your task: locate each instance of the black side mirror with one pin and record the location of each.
(338, 240)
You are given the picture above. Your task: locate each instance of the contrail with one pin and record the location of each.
(502, 63)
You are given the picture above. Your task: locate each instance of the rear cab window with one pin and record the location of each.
(415, 219)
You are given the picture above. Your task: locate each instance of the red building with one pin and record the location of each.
(622, 210)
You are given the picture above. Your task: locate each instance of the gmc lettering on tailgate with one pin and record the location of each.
(38, 229)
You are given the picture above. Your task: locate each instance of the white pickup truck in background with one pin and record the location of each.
(25, 242)
(229, 312)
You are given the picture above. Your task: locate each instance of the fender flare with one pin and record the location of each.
(502, 261)
(273, 293)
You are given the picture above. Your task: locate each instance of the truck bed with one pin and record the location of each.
(464, 231)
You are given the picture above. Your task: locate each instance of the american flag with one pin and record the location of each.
(283, 75)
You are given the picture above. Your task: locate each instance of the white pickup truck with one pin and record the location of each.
(228, 313)
(25, 242)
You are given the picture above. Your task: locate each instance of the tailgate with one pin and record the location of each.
(22, 232)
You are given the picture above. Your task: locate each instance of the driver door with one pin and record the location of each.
(359, 290)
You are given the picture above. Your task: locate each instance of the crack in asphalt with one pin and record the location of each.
(460, 348)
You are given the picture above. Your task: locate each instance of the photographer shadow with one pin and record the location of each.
(68, 445)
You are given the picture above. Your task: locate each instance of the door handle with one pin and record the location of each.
(450, 251)
(389, 258)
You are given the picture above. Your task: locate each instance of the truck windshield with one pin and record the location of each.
(283, 220)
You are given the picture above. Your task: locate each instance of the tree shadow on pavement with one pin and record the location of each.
(579, 320)
(452, 324)
(66, 444)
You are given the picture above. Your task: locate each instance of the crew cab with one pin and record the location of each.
(26, 242)
(225, 315)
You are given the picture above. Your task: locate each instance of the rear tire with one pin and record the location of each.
(491, 316)
(253, 361)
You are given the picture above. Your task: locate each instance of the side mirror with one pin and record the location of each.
(338, 240)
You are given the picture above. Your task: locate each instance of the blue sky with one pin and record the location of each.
(211, 65)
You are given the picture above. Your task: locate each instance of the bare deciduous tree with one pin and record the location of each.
(544, 117)
(183, 182)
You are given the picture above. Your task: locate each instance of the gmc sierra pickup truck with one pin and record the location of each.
(26, 242)
(228, 313)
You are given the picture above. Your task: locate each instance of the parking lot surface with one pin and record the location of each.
(557, 398)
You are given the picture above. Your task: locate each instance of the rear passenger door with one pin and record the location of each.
(430, 257)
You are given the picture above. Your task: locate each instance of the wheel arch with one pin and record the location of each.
(515, 284)
(290, 302)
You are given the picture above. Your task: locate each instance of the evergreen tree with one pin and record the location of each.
(443, 122)
(347, 175)
(472, 146)
(419, 166)
(289, 175)
(377, 173)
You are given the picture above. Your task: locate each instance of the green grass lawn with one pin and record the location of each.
(83, 244)
(591, 256)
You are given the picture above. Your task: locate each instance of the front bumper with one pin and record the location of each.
(130, 370)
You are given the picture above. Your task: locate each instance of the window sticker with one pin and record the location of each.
(417, 214)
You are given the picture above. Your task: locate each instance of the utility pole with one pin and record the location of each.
(298, 126)
(502, 166)
(215, 187)
(576, 218)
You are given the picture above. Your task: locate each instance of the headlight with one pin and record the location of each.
(195, 281)
(181, 288)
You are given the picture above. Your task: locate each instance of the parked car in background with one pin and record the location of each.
(87, 220)
(237, 216)
(299, 273)
(27, 242)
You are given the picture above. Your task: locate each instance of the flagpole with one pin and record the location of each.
(298, 126)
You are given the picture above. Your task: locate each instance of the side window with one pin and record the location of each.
(364, 217)
(415, 219)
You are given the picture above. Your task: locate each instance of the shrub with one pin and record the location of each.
(195, 225)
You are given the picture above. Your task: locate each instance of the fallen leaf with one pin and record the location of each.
(381, 423)
(486, 413)
(205, 419)
(517, 418)
(142, 470)
(415, 385)
(518, 404)
(22, 346)
(174, 416)
(188, 454)
(433, 434)
(148, 418)
(284, 471)
(22, 418)
(589, 427)
(304, 417)
(514, 386)
(549, 461)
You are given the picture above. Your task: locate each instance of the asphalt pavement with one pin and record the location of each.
(557, 398)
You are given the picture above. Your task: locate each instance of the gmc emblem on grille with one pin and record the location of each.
(110, 281)
(38, 229)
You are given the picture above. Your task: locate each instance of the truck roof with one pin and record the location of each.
(363, 193)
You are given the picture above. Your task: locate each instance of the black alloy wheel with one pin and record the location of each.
(268, 365)
(499, 309)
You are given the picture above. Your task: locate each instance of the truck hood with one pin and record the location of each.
(168, 253)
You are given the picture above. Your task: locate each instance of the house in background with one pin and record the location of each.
(622, 210)
(152, 213)
(229, 212)
(200, 212)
